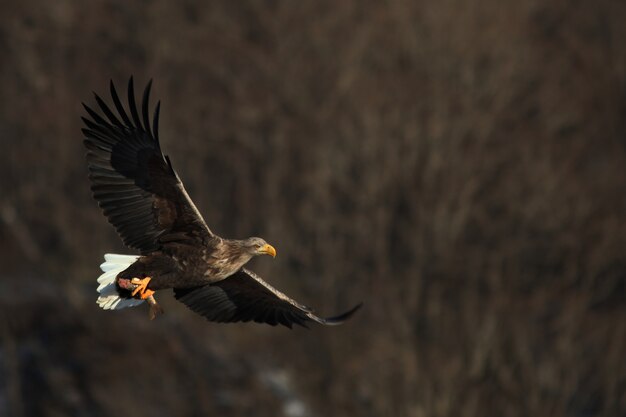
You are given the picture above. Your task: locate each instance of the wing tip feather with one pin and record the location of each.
(338, 319)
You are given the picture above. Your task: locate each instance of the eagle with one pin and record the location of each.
(143, 197)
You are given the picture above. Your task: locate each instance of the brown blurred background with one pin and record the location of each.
(457, 165)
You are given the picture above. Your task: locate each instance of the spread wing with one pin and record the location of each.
(244, 296)
(133, 182)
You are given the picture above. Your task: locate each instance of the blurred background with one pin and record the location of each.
(459, 166)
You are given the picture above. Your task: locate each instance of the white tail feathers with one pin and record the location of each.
(109, 299)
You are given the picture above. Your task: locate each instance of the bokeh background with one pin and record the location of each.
(459, 166)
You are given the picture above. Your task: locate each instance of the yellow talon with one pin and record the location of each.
(142, 287)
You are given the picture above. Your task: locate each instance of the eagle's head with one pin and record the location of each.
(256, 246)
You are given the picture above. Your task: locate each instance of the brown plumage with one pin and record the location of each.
(145, 200)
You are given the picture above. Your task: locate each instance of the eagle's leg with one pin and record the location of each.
(141, 288)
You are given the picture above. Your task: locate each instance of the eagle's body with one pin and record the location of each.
(188, 267)
(143, 197)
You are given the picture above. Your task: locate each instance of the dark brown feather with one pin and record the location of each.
(244, 296)
(133, 182)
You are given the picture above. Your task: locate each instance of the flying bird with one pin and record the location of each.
(143, 197)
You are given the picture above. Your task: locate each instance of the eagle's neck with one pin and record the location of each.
(227, 258)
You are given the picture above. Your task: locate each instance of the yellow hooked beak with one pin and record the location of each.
(268, 250)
